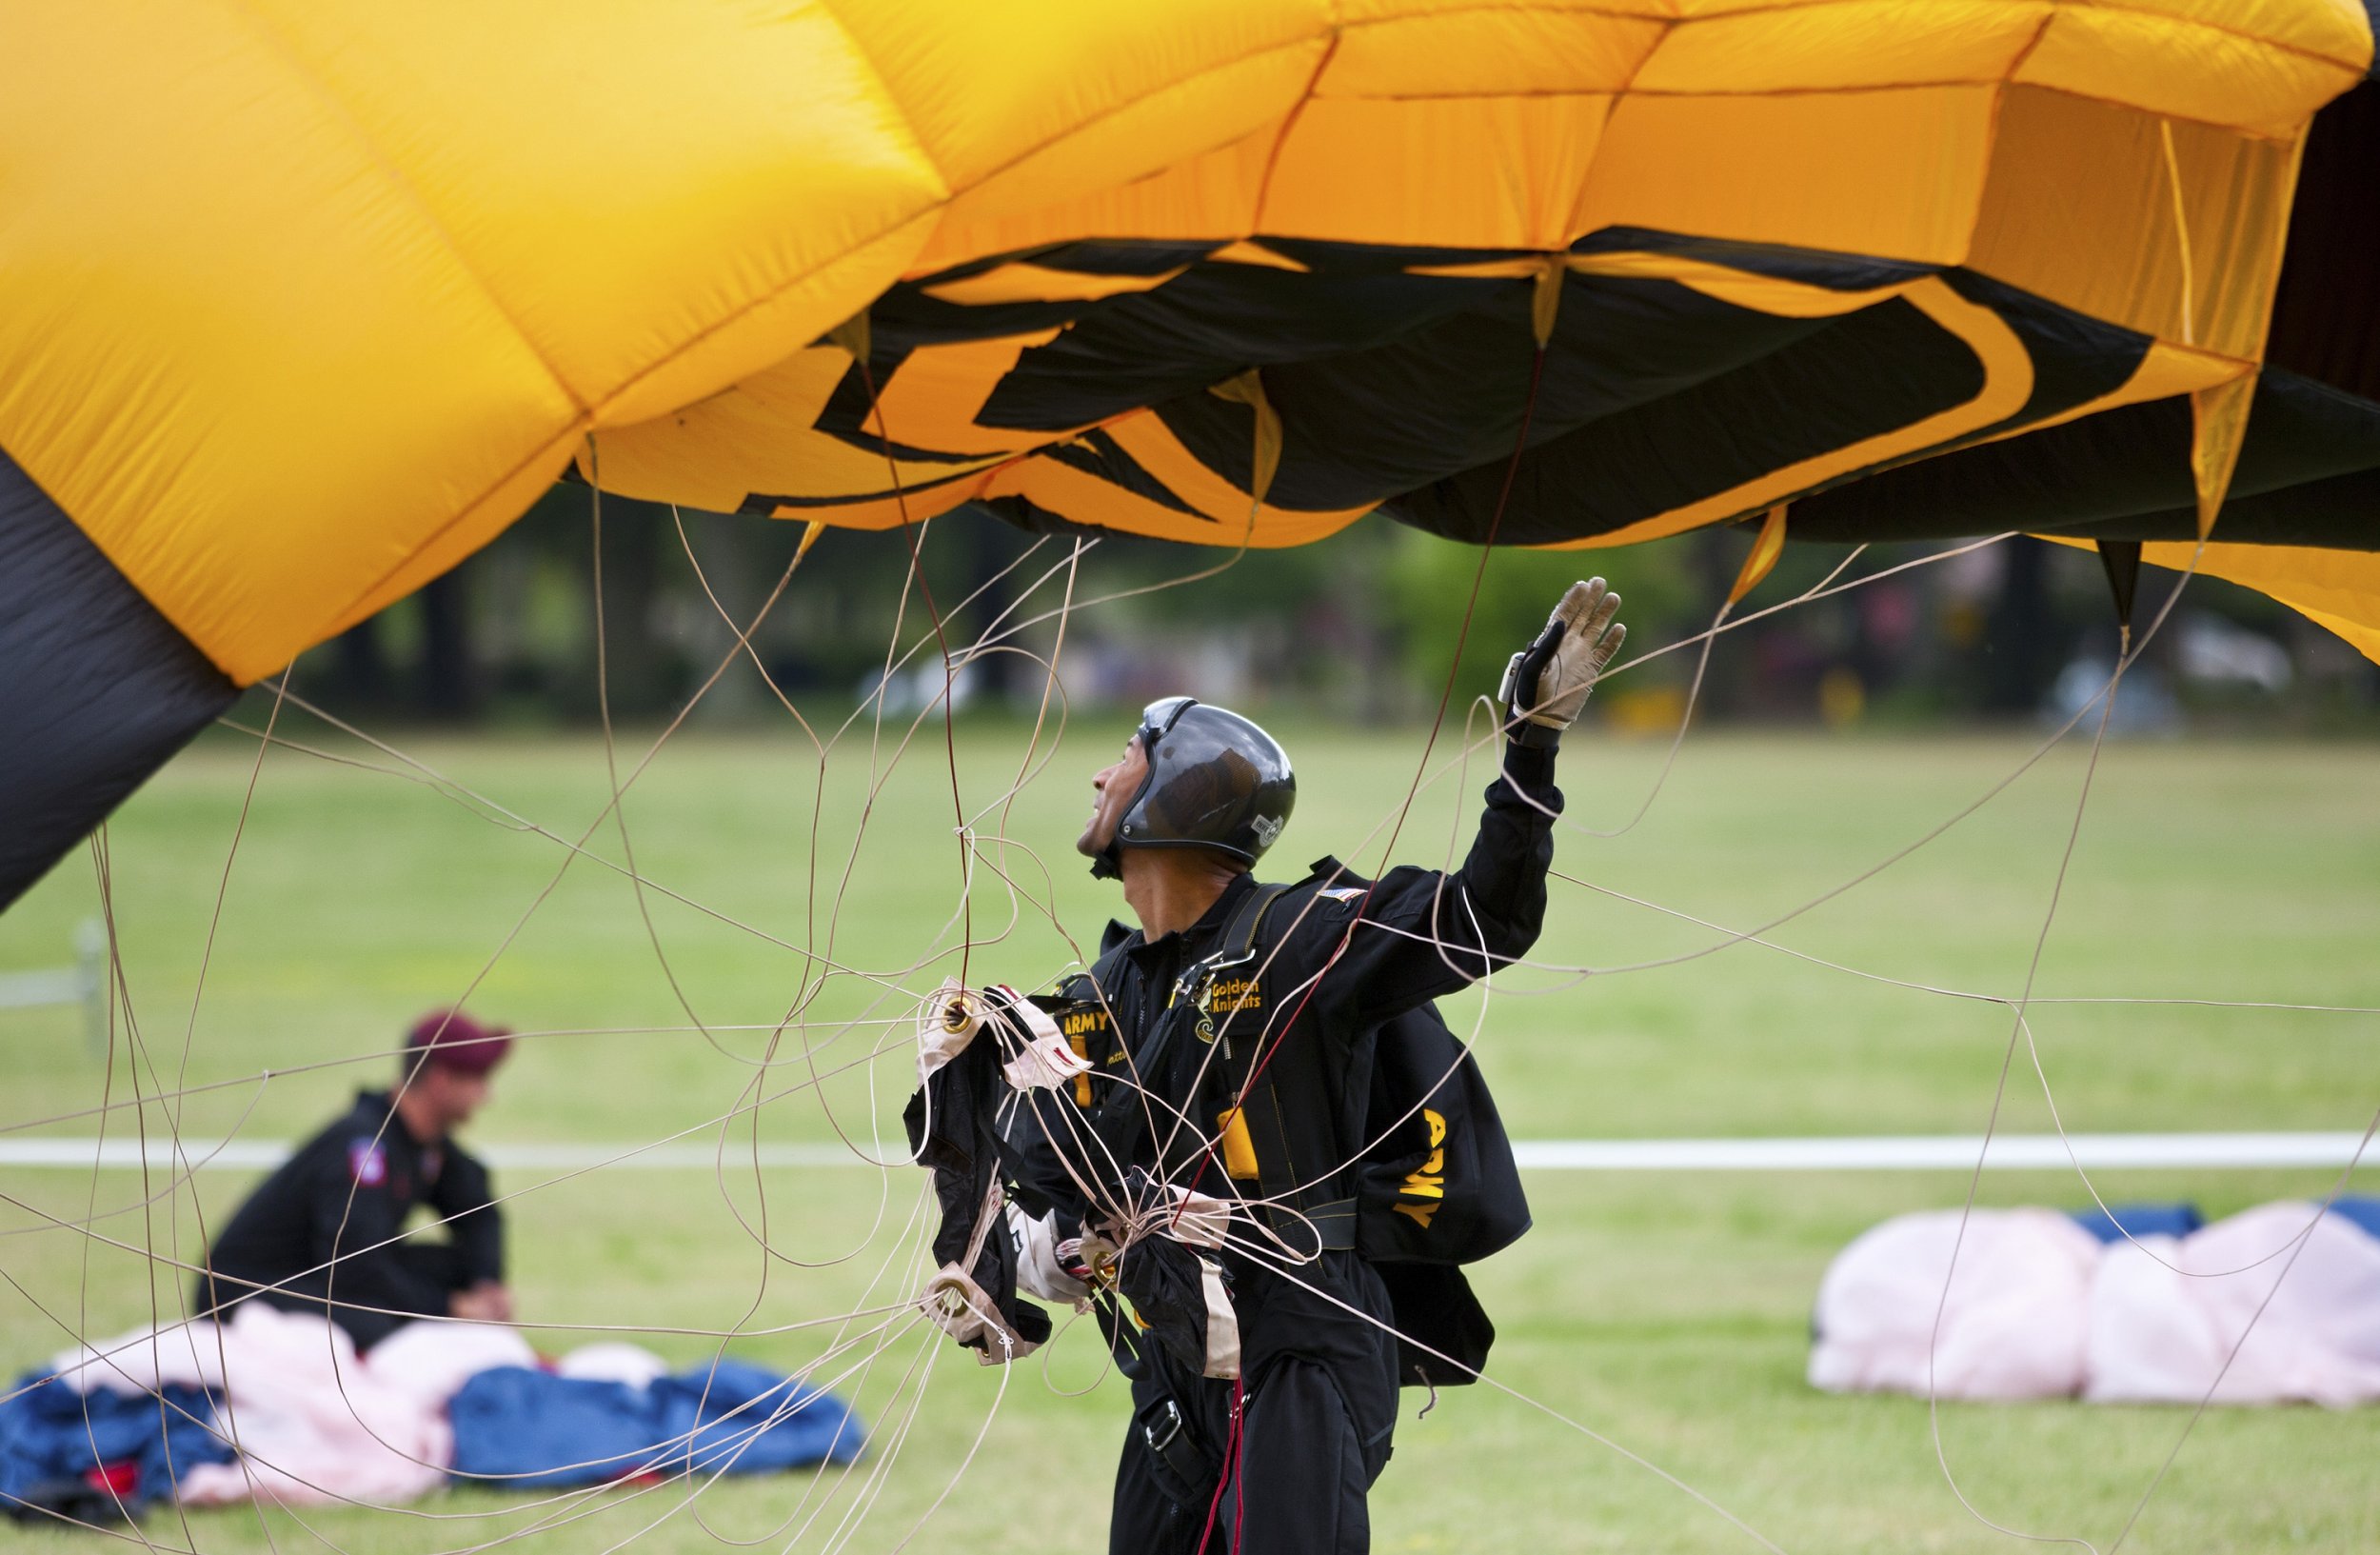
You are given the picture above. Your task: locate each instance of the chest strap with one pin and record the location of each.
(1238, 948)
(1302, 1218)
(1188, 1015)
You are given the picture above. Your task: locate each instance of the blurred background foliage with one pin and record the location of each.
(1365, 625)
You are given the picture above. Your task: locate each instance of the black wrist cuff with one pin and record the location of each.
(1531, 736)
(1529, 771)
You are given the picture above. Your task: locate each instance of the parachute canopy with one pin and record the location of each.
(304, 302)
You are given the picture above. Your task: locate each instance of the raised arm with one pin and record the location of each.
(1423, 933)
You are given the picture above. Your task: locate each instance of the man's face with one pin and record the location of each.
(452, 1094)
(1113, 786)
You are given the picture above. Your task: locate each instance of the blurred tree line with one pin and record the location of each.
(1366, 624)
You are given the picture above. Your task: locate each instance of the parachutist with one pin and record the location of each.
(1288, 1150)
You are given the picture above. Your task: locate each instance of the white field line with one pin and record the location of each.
(1913, 1152)
(1940, 1152)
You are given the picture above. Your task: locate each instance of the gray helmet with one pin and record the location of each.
(1215, 781)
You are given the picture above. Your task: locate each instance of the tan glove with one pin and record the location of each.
(1546, 684)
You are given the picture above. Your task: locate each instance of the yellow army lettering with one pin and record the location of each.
(1078, 1029)
(1430, 1182)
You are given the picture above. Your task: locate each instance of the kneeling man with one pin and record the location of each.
(326, 1232)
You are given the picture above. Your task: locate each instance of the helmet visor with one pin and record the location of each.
(1158, 717)
(1204, 780)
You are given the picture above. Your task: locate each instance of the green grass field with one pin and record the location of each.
(1667, 1312)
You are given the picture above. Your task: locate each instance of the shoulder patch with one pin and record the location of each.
(1342, 893)
(367, 1163)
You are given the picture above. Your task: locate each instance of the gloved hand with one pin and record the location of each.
(1546, 684)
(1045, 1266)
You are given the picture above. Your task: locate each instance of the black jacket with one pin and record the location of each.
(1332, 961)
(322, 1228)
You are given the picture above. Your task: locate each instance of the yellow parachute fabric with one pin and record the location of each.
(308, 299)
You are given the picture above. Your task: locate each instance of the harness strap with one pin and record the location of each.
(1124, 1129)
(1297, 1214)
(1239, 942)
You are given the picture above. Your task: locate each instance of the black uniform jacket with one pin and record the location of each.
(1334, 959)
(322, 1228)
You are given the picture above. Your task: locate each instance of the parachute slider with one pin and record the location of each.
(946, 1023)
(961, 1309)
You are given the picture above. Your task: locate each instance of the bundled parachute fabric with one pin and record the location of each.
(974, 1050)
(312, 1422)
(2041, 1308)
(2168, 1334)
(1171, 1274)
(279, 1406)
(2118, 1222)
(309, 301)
(520, 1427)
(2014, 1326)
(1182, 1299)
(300, 1418)
(67, 1454)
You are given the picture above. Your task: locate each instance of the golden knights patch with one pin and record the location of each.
(1232, 995)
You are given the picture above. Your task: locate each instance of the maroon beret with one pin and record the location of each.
(457, 1042)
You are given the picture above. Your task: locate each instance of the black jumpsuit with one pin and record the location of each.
(322, 1228)
(1318, 1369)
